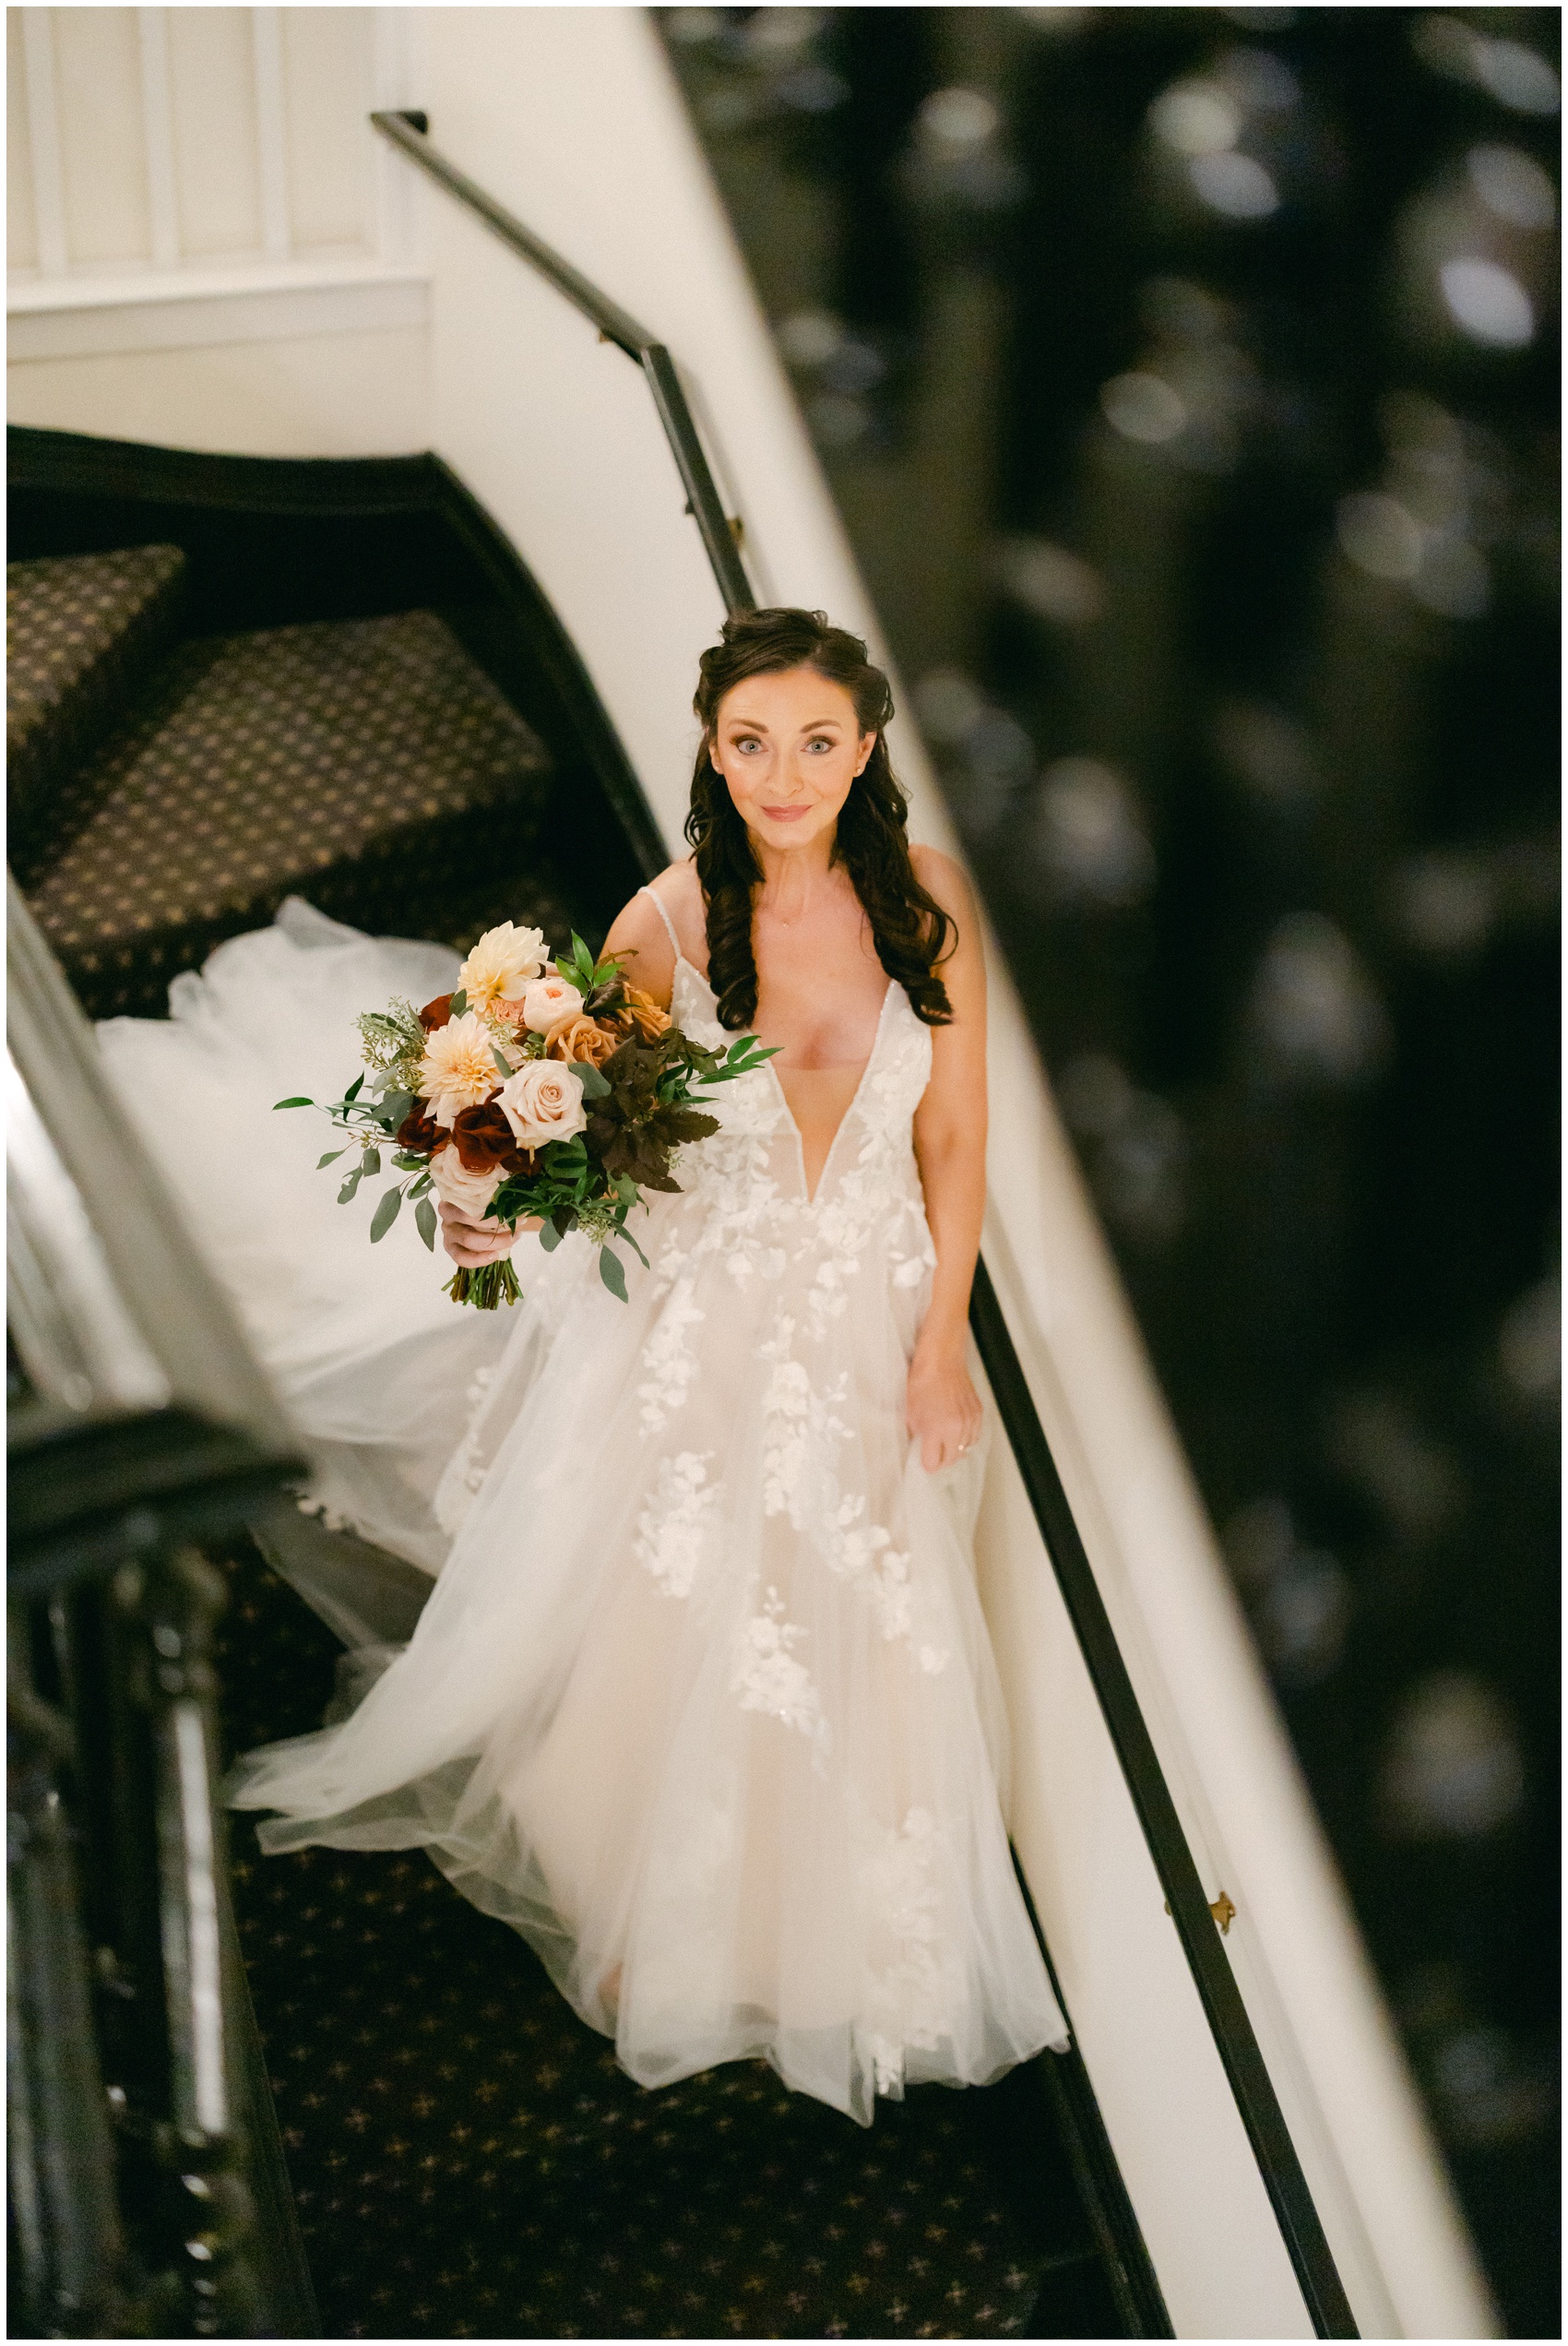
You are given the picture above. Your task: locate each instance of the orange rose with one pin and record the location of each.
(581, 1037)
(640, 1014)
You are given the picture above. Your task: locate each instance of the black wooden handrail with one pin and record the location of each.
(1223, 2008)
(1237, 2047)
(408, 133)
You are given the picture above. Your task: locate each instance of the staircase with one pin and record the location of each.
(466, 2157)
(168, 789)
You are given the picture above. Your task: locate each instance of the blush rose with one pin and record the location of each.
(547, 1002)
(470, 1192)
(543, 1102)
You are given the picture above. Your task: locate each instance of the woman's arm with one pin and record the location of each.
(650, 965)
(943, 1408)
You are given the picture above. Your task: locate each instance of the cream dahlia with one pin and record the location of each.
(501, 965)
(458, 1068)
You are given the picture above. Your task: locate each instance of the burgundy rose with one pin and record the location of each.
(485, 1139)
(420, 1134)
(435, 1014)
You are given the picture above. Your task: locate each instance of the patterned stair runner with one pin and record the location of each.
(469, 2162)
(82, 632)
(367, 763)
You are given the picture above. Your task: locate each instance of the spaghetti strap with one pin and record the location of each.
(668, 924)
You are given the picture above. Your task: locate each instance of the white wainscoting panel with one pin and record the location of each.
(207, 179)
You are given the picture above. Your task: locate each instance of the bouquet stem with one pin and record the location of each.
(486, 1289)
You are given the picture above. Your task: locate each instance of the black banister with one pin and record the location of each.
(407, 131)
(1223, 2008)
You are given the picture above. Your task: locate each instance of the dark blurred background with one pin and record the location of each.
(1188, 380)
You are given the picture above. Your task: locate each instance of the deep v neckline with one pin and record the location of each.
(810, 1196)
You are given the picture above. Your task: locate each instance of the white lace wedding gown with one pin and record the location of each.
(702, 1702)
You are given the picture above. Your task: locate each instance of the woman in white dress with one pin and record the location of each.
(702, 1702)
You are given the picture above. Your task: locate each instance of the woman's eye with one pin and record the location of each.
(819, 744)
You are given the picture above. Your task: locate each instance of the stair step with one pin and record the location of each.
(369, 765)
(82, 632)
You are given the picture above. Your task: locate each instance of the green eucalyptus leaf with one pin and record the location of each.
(345, 1193)
(330, 1158)
(504, 1065)
(371, 1162)
(549, 1237)
(459, 1004)
(385, 1215)
(610, 1271)
(425, 1221)
(593, 1083)
(299, 1102)
(421, 1187)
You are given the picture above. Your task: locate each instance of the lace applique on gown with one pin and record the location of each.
(702, 1702)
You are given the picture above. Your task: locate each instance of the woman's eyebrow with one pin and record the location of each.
(817, 726)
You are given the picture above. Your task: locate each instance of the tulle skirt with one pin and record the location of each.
(375, 1363)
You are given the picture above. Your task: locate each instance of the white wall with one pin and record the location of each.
(348, 392)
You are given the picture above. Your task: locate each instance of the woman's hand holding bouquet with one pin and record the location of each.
(526, 1096)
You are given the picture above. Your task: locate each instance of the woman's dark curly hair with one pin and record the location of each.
(912, 931)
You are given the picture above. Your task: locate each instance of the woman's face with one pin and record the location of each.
(789, 746)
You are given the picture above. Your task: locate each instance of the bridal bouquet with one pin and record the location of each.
(527, 1092)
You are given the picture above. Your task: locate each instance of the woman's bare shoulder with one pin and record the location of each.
(680, 890)
(639, 928)
(942, 876)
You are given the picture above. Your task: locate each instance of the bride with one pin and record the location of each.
(702, 1702)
